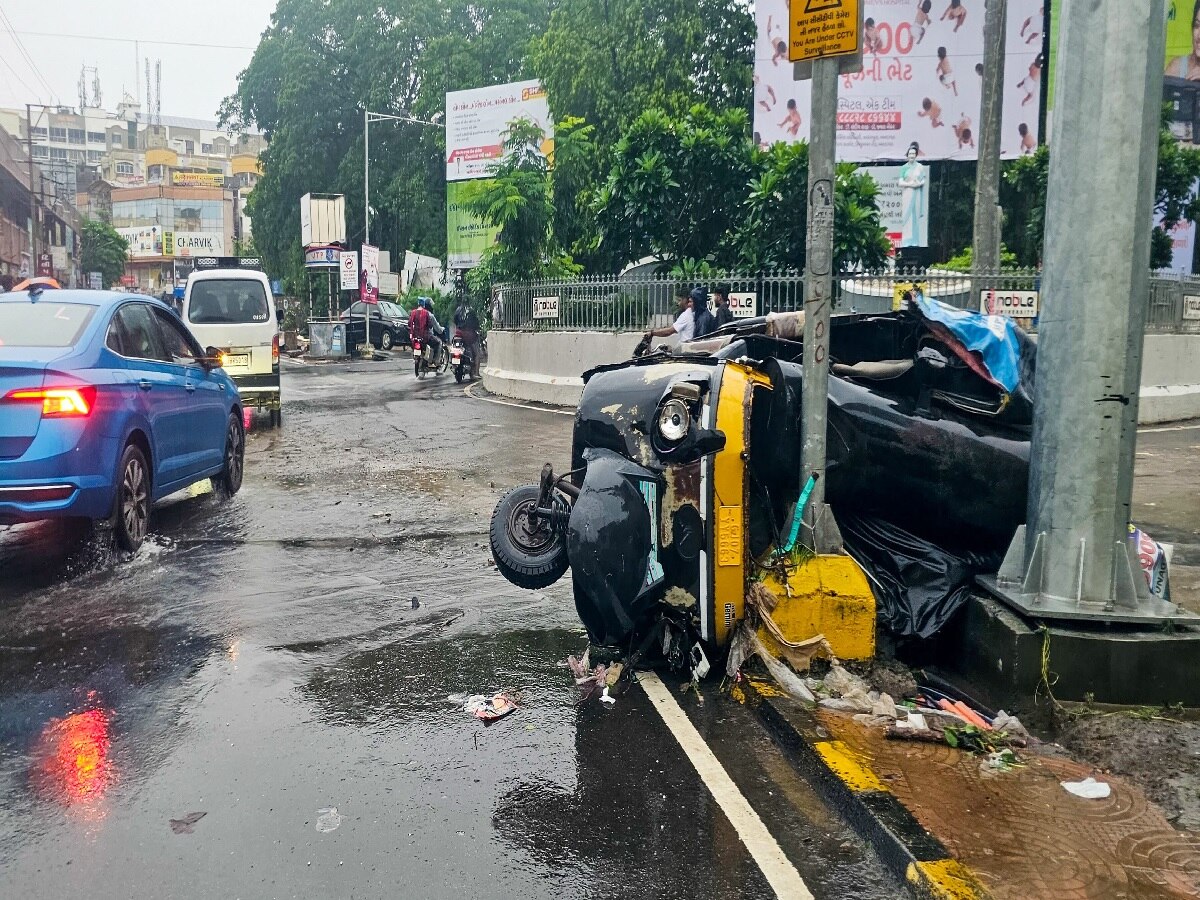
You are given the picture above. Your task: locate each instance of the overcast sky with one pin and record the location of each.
(194, 79)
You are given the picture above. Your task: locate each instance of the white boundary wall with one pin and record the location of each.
(545, 366)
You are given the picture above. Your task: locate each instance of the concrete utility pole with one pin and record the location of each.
(1101, 184)
(34, 227)
(986, 240)
(818, 288)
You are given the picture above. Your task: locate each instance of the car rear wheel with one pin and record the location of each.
(386, 340)
(230, 479)
(131, 513)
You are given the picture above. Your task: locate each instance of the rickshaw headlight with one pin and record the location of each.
(674, 420)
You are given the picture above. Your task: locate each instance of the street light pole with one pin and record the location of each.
(366, 225)
(368, 118)
(34, 227)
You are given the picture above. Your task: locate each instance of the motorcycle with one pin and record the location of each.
(425, 359)
(462, 358)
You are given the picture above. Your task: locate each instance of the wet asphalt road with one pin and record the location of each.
(260, 661)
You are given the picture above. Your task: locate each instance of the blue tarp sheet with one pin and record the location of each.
(993, 338)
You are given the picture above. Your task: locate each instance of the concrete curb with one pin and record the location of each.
(847, 783)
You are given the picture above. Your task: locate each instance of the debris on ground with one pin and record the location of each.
(186, 825)
(745, 645)
(487, 709)
(328, 819)
(1088, 789)
(591, 680)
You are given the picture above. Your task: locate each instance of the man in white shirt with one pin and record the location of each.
(684, 326)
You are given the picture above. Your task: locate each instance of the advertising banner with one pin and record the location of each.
(1011, 304)
(891, 203)
(476, 121)
(467, 236)
(197, 179)
(193, 243)
(348, 264)
(1183, 42)
(744, 304)
(321, 257)
(920, 83)
(545, 307)
(144, 241)
(370, 273)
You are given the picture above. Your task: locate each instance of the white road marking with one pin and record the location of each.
(1169, 428)
(775, 866)
(557, 412)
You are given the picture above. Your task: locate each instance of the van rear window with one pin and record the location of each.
(43, 324)
(231, 301)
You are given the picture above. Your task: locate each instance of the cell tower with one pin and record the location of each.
(83, 87)
(157, 92)
(149, 102)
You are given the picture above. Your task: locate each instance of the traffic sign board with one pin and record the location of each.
(349, 268)
(821, 28)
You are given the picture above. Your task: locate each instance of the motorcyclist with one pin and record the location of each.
(466, 326)
(423, 325)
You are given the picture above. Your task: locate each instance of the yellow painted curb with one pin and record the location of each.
(848, 766)
(946, 879)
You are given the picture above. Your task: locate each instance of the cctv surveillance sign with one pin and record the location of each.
(821, 28)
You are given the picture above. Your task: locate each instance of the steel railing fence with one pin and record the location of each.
(613, 303)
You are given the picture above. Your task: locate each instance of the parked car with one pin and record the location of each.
(228, 305)
(108, 404)
(389, 325)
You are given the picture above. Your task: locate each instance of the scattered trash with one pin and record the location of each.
(187, 823)
(328, 819)
(1001, 761)
(745, 645)
(415, 603)
(591, 680)
(487, 709)
(1088, 789)
(1155, 560)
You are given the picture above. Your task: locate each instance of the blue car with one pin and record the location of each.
(108, 404)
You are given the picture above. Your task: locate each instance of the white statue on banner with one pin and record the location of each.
(912, 179)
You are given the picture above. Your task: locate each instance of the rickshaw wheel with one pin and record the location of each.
(528, 551)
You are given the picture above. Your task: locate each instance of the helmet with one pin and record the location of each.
(425, 302)
(699, 295)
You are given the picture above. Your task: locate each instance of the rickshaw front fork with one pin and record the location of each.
(558, 513)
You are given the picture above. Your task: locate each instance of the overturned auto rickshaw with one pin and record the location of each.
(685, 482)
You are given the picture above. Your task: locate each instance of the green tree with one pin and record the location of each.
(1175, 198)
(608, 60)
(103, 250)
(675, 186)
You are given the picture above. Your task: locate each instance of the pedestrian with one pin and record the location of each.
(685, 323)
(705, 324)
(723, 315)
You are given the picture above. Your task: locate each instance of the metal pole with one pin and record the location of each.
(34, 228)
(366, 225)
(986, 240)
(818, 288)
(1099, 202)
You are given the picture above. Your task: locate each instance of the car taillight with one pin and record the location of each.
(275, 350)
(57, 403)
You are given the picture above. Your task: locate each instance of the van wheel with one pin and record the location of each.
(131, 508)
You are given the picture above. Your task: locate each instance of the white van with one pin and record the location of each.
(228, 305)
